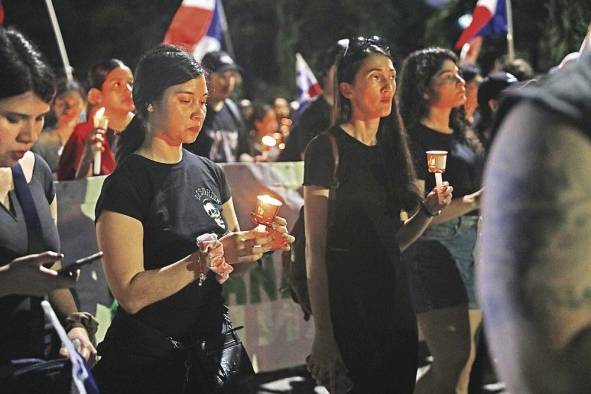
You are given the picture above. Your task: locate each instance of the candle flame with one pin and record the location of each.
(269, 141)
(99, 114)
(266, 199)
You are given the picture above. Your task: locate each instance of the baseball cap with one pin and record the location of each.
(219, 61)
(492, 86)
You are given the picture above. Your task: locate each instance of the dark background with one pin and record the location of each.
(266, 33)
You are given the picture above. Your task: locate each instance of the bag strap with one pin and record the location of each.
(25, 198)
(332, 196)
(34, 238)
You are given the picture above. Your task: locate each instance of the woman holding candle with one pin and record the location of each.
(365, 330)
(431, 95)
(110, 82)
(151, 209)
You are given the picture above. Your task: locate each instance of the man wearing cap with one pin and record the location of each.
(223, 138)
(490, 92)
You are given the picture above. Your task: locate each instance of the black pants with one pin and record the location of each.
(387, 364)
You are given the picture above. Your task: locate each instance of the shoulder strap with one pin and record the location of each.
(25, 198)
(332, 196)
(334, 147)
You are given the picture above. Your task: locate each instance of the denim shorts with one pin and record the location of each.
(441, 265)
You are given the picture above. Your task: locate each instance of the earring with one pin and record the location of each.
(150, 108)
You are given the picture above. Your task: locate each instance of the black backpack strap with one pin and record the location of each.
(332, 196)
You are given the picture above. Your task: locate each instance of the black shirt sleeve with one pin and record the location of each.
(123, 194)
(318, 163)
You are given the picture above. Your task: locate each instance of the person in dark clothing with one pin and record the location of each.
(432, 95)
(315, 117)
(365, 329)
(151, 209)
(489, 96)
(224, 138)
(534, 271)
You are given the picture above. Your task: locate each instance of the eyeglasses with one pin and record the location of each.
(359, 44)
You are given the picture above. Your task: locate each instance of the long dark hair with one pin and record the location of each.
(392, 138)
(159, 69)
(416, 95)
(22, 68)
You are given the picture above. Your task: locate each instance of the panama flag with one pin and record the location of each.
(306, 83)
(488, 17)
(81, 373)
(198, 26)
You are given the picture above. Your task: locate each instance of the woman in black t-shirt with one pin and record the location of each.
(150, 212)
(365, 330)
(432, 94)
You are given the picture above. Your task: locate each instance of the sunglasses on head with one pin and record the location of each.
(361, 43)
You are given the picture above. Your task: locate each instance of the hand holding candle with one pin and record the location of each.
(436, 163)
(265, 216)
(101, 122)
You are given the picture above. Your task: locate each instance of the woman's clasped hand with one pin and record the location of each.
(218, 255)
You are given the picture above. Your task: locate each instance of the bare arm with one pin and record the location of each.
(120, 237)
(535, 274)
(459, 207)
(316, 213)
(229, 214)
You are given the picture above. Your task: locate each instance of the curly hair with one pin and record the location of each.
(416, 95)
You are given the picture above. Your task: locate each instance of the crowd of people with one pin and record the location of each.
(391, 254)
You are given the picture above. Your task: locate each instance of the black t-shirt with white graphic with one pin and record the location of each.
(223, 137)
(175, 203)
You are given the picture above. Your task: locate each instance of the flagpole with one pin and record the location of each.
(225, 31)
(59, 39)
(510, 43)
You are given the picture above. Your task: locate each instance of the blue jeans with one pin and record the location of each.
(441, 265)
(459, 238)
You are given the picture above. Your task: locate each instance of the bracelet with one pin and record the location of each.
(202, 273)
(83, 320)
(427, 212)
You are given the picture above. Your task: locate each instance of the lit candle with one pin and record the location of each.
(100, 121)
(268, 141)
(436, 163)
(266, 209)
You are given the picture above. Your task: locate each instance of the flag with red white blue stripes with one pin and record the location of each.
(489, 17)
(307, 86)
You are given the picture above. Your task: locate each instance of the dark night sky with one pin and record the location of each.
(92, 29)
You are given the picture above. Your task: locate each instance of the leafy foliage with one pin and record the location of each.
(266, 34)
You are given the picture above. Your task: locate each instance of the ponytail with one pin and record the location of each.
(131, 139)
